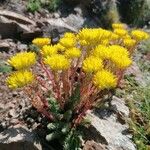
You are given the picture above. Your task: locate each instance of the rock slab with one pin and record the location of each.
(19, 138)
(107, 129)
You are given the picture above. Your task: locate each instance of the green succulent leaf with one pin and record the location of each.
(5, 68)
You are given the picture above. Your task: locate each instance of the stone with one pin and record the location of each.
(59, 23)
(120, 106)
(14, 25)
(19, 138)
(17, 17)
(74, 20)
(4, 46)
(12, 113)
(91, 145)
(135, 71)
(106, 129)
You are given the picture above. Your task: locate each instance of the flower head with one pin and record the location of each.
(91, 36)
(57, 62)
(139, 35)
(121, 32)
(102, 52)
(69, 35)
(129, 42)
(41, 41)
(92, 64)
(67, 42)
(19, 79)
(73, 53)
(120, 56)
(114, 37)
(118, 50)
(104, 80)
(60, 48)
(22, 60)
(105, 42)
(118, 26)
(122, 62)
(48, 50)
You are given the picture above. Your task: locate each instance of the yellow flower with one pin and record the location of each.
(104, 80)
(22, 60)
(105, 34)
(67, 42)
(19, 79)
(69, 35)
(120, 56)
(41, 41)
(86, 34)
(114, 37)
(105, 42)
(92, 64)
(57, 62)
(83, 42)
(73, 53)
(48, 50)
(91, 36)
(60, 48)
(122, 62)
(118, 50)
(118, 26)
(121, 32)
(101, 51)
(139, 35)
(129, 42)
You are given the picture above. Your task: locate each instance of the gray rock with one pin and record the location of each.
(120, 106)
(14, 25)
(19, 138)
(12, 113)
(60, 23)
(107, 129)
(91, 145)
(17, 17)
(75, 21)
(22, 47)
(4, 46)
(136, 72)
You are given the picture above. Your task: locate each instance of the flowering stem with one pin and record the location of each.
(41, 83)
(49, 75)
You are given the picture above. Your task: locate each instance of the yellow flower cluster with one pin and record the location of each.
(120, 32)
(41, 41)
(139, 35)
(48, 50)
(120, 56)
(118, 26)
(73, 53)
(99, 52)
(102, 52)
(68, 42)
(104, 79)
(22, 60)
(128, 42)
(92, 64)
(92, 36)
(19, 79)
(57, 62)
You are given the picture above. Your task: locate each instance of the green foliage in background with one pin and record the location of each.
(33, 5)
(134, 12)
(36, 5)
